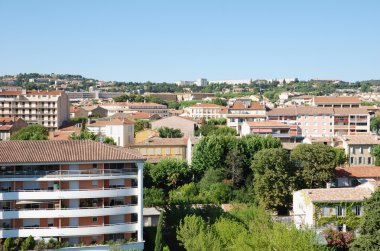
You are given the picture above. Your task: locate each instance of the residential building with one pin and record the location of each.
(358, 149)
(316, 121)
(75, 191)
(201, 82)
(156, 148)
(47, 108)
(8, 126)
(206, 111)
(349, 176)
(303, 100)
(186, 125)
(126, 107)
(312, 206)
(185, 82)
(337, 101)
(86, 111)
(231, 81)
(130, 107)
(121, 130)
(136, 115)
(244, 110)
(145, 134)
(351, 121)
(285, 132)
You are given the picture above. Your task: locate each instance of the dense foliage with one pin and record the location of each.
(369, 238)
(166, 132)
(31, 132)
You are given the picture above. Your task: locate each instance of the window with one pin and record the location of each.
(340, 211)
(315, 124)
(356, 210)
(94, 219)
(369, 161)
(94, 183)
(94, 165)
(151, 151)
(360, 160)
(326, 211)
(352, 160)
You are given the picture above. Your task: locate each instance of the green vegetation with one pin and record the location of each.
(158, 243)
(375, 152)
(141, 125)
(375, 124)
(369, 238)
(31, 132)
(166, 132)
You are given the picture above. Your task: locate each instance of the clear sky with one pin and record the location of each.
(162, 40)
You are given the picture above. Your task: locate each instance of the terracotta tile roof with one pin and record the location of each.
(207, 105)
(31, 92)
(112, 121)
(237, 115)
(133, 104)
(287, 111)
(312, 110)
(362, 140)
(60, 135)
(157, 141)
(358, 172)
(267, 123)
(5, 127)
(358, 193)
(304, 97)
(336, 100)
(240, 105)
(62, 151)
(349, 111)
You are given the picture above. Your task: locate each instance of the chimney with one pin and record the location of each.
(23, 91)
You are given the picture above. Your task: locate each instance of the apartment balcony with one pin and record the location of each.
(69, 231)
(37, 213)
(66, 175)
(36, 194)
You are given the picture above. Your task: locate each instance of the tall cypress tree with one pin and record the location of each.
(158, 243)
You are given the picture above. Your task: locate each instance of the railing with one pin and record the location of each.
(68, 173)
(85, 226)
(67, 208)
(67, 190)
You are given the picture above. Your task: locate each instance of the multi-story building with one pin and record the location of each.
(337, 101)
(231, 81)
(47, 108)
(312, 206)
(358, 149)
(324, 121)
(206, 111)
(351, 121)
(75, 191)
(130, 107)
(121, 130)
(285, 132)
(8, 126)
(244, 110)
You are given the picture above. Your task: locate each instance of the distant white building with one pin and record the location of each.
(185, 82)
(231, 82)
(201, 82)
(121, 130)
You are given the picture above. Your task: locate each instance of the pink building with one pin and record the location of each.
(316, 121)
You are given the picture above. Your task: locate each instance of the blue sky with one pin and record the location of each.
(184, 40)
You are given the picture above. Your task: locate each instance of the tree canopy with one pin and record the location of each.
(375, 124)
(31, 132)
(166, 132)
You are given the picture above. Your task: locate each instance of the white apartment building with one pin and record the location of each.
(201, 82)
(47, 108)
(130, 107)
(120, 129)
(205, 111)
(231, 81)
(74, 191)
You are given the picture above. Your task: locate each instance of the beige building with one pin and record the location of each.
(47, 108)
(358, 149)
(131, 107)
(8, 126)
(186, 125)
(206, 111)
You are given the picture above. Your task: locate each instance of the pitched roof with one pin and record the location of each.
(207, 105)
(312, 110)
(157, 141)
(362, 139)
(240, 105)
(267, 123)
(358, 193)
(287, 111)
(63, 151)
(349, 111)
(111, 121)
(133, 104)
(337, 99)
(358, 172)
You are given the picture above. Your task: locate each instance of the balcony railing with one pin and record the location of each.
(64, 208)
(85, 226)
(95, 189)
(68, 173)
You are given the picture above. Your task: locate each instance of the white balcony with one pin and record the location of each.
(69, 231)
(68, 194)
(68, 212)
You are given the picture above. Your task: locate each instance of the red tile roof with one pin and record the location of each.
(358, 172)
(31, 92)
(63, 151)
(337, 99)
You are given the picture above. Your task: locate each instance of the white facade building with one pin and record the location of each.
(206, 111)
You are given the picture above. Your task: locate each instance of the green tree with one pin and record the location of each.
(235, 166)
(170, 173)
(188, 193)
(340, 157)
(141, 125)
(8, 244)
(225, 131)
(375, 124)
(28, 243)
(31, 132)
(375, 152)
(315, 164)
(84, 135)
(153, 197)
(158, 243)
(166, 132)
(369, 230)
(274, 176)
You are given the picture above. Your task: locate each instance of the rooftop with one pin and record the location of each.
(362, 140)
(268, 123)
(63, 151)
(358, 172)
(337, 100)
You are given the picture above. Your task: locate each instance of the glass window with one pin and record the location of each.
(340, 211)
(356, 210)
